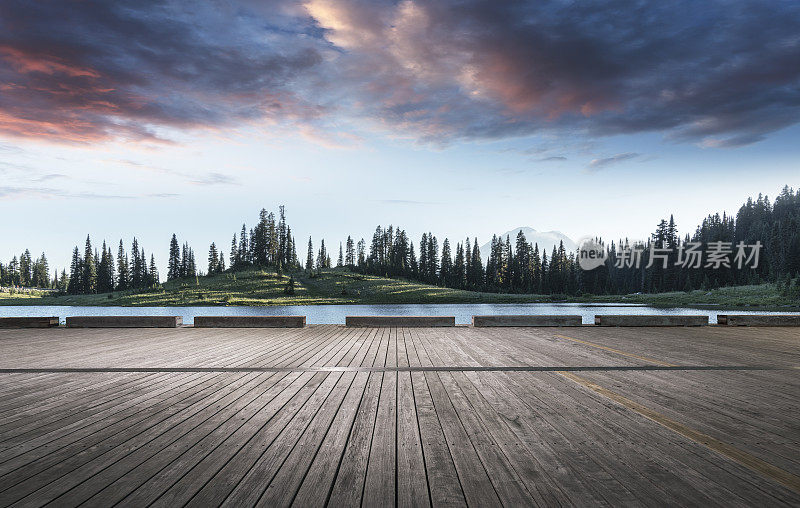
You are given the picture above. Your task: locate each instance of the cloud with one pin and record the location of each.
(597, 164)
(12, 192)
(48, 177)
(210, 178)
(554, 158)
(95, 70)
(405, 202)
(433, 72)
(475, 69)
(214, 179)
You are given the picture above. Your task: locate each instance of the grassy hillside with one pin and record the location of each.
(337, 286)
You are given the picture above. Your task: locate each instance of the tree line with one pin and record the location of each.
(25, 271)
(97, 272)
(512, 265)
(517, 266)
(269, 244)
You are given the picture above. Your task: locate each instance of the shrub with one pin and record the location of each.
(289, 288)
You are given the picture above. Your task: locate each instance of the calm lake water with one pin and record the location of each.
(335, 314)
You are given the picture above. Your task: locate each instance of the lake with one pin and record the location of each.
(335, 314)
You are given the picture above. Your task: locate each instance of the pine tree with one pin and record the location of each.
(75, 273)
(244, 249)
(260, 244)
(25, 268)
(361, 248)
(459, 279)
(322, 256)
(89, 269)
(63, 283)
(413, 266)
(136, 265)
(310, 256)
(340, 260)
(174, 261)
(41, 272)
(433, 259)
(424, 251)
(282, 233)
(467, 264)
(507, 269)
(289, 253)
(192, 264)
(477, 266)
(522, 264)
(234, 257)
(105, 272)
(213, 259)
(145, 276)
(446, 270)
(184, 272)
(123, 272)
(350, 255)
(154, 277)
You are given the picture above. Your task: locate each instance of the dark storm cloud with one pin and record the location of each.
(723, 73)
(82, 71)
(719, 73)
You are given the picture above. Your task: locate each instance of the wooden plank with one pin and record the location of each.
(412, 481)
(150, 458)
(440, 470)
(348, 487)
(177, 438)
(395, 321)
(526, 320)
(290, 476)
(71, 471)
(249, 321)
(319, 480)
(252, 485)
(380, 484)
(654, 320)
(177, 482)
(759, 320)
(124, 321)
(28, 322)
(476, 485)
(228, 477)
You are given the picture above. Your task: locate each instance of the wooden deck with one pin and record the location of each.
(415, 416)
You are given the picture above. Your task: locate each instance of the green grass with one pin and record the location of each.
(339, 286)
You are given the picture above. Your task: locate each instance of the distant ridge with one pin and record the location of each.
(545, 239)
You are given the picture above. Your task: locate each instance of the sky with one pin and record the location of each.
(147, 118)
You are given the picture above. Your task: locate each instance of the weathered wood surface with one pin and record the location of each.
(526, 320)
(28, 322)
(124, 321)
(759, 319)
(330, 415)
(249, 321)
(399, 321)
(653, 320)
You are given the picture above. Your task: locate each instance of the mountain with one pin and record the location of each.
(545, 239)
